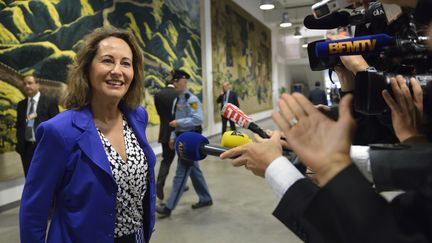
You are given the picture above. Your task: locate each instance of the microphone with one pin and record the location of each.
(193, 146)
(332, 21)
(233, 113)
(233, 139)
(369, 44)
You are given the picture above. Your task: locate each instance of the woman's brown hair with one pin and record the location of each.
(78, 92)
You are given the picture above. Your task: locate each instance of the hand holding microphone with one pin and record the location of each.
(256, 156)
(233, 113)
(232, 139)
(193, 146)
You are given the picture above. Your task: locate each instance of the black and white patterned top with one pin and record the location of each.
(131, 179)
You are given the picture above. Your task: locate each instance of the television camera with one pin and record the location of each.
(396, 47)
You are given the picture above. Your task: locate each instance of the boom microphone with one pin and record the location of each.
(193, 146)
(332, 21)
(369, 44)
(233, 113)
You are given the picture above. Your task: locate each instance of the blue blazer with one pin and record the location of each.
(70, 170)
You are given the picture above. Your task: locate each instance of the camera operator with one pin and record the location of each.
(371, 129)
(406, 115)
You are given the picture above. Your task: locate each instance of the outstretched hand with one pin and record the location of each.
(406, 109)
(256, 157)
(322, 144)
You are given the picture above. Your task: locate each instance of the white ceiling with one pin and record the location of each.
(297, 11)
(295, 3)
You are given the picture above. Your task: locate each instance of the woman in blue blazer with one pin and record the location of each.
(93, 167)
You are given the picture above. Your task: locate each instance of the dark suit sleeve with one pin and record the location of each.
(235, 99)
(406, 167)
(219, 99)
(292, 206)
(157, 104)
(324, 98)
(20, 121)
(53, 108)
(347, 209)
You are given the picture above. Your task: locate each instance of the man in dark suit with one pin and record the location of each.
(33, 110)
(318, 96)
(227, 96)
(164, 101)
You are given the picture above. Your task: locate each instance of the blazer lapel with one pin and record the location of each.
(138, 124)
(89, 141)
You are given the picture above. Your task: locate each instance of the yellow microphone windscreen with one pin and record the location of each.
(233, 139)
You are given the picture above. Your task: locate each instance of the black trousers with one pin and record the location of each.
(26, 157)
(224, 125)
(167, 158)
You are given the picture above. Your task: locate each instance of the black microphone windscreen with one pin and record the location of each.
(334, 20)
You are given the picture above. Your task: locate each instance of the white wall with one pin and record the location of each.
(293, 59)
(251, 7)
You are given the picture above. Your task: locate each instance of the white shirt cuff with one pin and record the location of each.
(361, 158)
(281, 174)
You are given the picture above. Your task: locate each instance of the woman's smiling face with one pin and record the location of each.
(111, 70)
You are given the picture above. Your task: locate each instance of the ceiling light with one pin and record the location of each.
(297, 33)
(266, 4)
(285, 21)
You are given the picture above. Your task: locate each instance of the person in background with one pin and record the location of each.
(318, 96)
(94, 159)
(33, 110)
(188, 118)
(227, 96)
(164, 102)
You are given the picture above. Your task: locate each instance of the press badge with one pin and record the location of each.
(30, 123)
